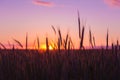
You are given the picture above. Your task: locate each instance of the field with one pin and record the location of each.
(59, 60)
(94, 64)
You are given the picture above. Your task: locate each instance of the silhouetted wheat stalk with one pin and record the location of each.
(69, 46)
(38, 42)
(18, 42)
(117, 44)
(82, 38)
(53, 45)
(112, 47)
(26, 41)
(72, 45)
(13, 47)
(47, 46)
(90, 38)
(79, 25)
(60, 36)
(107, 39)
(94, 41)
(58, 45)
(2, 45)
(66, 41)
(34, 44)
(53, 29)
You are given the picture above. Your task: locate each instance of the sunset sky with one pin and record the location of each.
(36, 17)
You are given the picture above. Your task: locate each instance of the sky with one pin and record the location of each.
(35, 17)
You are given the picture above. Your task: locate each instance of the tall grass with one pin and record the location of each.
(79, 25)
(18, 42)
(66, 41)
(72, 45)
(26, 41)
(94, 41)
(69, 46)
(2, 45)
(83, 65)
(60, 36)
(53, 29)
(13, 47)
(82, 38)
(38, 43)
(117, 44)
(58, 44)
(90, 38)
(81, 34)
(47, 45)
(107, 38)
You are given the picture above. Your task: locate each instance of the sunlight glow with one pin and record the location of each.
(43, 47)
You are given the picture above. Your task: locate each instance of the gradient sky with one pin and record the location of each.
(36, 17)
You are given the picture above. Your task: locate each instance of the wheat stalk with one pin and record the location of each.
(117, 42)
(18, 42)
(107, 39)
(72, 45)
(82, 38)
(66, 41)
(53, 29)
(47, 45)
(59, 45)
(2, 45)
(69, 46)
(79, 25)
(34, 47)
(38, 43)
(13, 48)
(94, 41)
(26, 41)
(90, 38)
(60, 36)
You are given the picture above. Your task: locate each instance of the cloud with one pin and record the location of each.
(43, 3)
(113, 2)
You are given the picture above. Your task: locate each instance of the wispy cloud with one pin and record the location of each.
(113, 2)
(43, 3)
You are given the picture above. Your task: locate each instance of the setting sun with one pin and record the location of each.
(43, 47)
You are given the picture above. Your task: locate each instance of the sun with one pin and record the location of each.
(43, 47)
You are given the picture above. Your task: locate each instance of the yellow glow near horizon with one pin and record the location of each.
(43, 47)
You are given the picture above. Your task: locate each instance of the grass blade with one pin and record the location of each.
(47, 46)
(18, 42)
(94, 41)
(38, 43)
(59, 45)
(60, 36)
(26, 41)
(82, 38)
(90, 38)
(79, 25)
(2, 45)
(66, 41)
(72, 45)
(107, 39)
(53, 29)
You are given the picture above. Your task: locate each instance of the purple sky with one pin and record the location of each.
(36, 17)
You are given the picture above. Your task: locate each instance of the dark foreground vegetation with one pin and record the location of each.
(66, 65)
